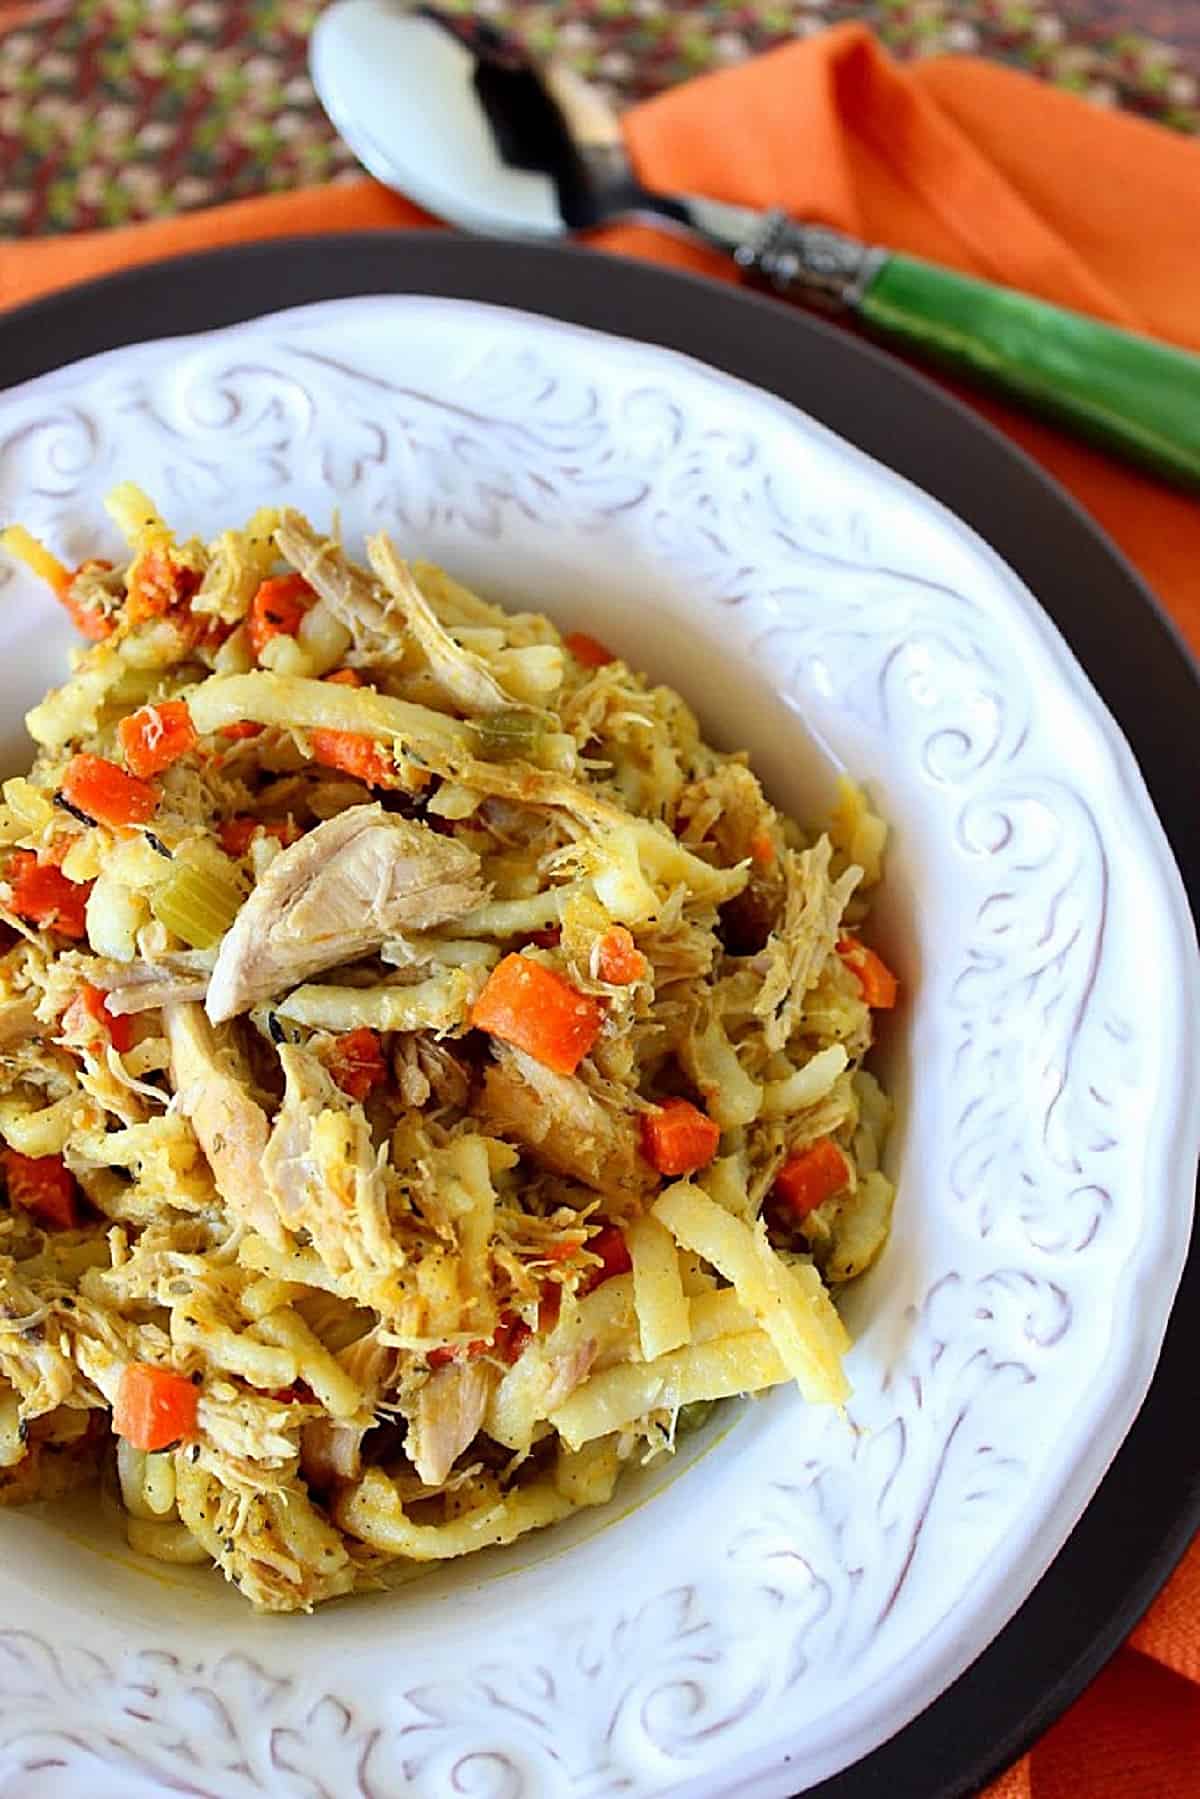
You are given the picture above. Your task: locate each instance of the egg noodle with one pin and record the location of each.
(430, 1075)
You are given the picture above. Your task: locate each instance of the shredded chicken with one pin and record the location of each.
(322, 1174)
(230, 1127)
(282, 1553)
(563, 1126)
(237, 562)
(330, 1448)
(352, 882)
(566, 1370)
(445, 1417)
(802, 943)
(145, 986)
(464, 677)
(365, 608)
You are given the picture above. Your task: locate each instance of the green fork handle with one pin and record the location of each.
(1129, 393)
(1126, 392)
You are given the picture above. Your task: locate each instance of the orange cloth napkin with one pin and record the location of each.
(983, 169)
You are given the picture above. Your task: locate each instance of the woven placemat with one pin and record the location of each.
(115, 110)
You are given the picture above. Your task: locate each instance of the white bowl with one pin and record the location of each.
(773, 1611)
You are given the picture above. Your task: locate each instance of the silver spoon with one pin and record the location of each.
(458, 117)
(461, 119)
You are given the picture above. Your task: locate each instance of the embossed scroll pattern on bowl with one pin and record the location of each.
(810, 1581)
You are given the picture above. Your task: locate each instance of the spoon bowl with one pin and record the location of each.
(446, 111)
(462, 119)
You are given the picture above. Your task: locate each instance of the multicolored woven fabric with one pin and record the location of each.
(114, 110)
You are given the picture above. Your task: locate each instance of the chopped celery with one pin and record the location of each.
(198, 904)
(506, 735)
(693, 1416)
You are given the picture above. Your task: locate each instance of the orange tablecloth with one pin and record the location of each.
(983, 169)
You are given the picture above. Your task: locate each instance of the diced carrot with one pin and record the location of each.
(762, 849)
(119, 1025)
(243, 729)
(155, 736)
(538, 1011)
(878, 984)
(155, 1408)
(678, 1138)
(354, 754)
(812, 1176)
(159, 585)
(356, 1061)
(610, 1245)
(588, 650)
(106, 793)
(276, 610)
(618, 959)
(44, 897)
(89, 621)
(90, 1007)
(351, 751)
(43, 1185)
(236, 834)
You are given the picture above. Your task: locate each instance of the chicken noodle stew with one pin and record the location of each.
(430, 1075)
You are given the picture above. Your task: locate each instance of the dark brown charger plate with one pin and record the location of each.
(1148, 1506)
